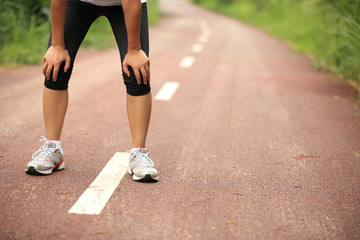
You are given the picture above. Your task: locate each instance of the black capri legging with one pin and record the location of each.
(79, 17)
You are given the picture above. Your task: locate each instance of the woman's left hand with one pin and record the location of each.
(140, 63)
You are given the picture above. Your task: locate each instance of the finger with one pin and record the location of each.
(144, 75)
(147, 69)
(44, 68)
(126, 69)
(67, 64)
(55, 72)
(48, 71)
(137, 75)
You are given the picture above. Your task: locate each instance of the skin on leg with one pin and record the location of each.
(55, 104)
(139, 112)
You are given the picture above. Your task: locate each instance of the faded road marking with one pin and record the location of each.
(203, 39)
(207, 32)
(167, 91)
(203, 23)
(187, 62)
(197, 47)
(95, 197)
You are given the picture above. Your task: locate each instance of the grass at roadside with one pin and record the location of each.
(328, 31)
(26, 40)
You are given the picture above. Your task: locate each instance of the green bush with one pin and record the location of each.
(328, 30)
(23, 25)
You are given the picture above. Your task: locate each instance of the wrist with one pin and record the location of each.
(134, 47)
(57, 45)
(58, 41)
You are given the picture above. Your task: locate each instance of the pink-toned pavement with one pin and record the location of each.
(255, 143)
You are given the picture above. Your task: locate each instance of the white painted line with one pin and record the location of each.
(207, 32)
(167, 91)
(203, 39)
(95, 197)
(197, 47)
(203, 23)
(187, 62)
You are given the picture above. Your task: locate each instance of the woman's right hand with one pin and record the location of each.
(53, 59)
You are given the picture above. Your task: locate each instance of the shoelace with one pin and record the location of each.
(145, 160)
(43, 151)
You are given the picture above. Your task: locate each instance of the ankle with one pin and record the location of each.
(138, 146)
(57, 143)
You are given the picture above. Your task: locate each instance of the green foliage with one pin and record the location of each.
(25, 27)
(153, 12)
(329, 30)
(99, 36)
(22, 23)
(26, 47)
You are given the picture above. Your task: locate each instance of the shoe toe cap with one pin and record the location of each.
(143, 171)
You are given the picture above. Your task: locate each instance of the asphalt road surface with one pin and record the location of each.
(250, 140)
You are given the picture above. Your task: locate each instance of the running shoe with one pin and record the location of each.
(46, 159)
(141, 167)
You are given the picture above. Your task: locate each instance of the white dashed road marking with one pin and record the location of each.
(187, 62)
(169, 88)
(95, 197)
(167, 91)
(197, 47)
(207, 32)
(203, 23)
(203, 39)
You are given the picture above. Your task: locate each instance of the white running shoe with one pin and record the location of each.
(46, 159)
(141, 167)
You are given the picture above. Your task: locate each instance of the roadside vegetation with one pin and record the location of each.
(327, 30)
(25, 27)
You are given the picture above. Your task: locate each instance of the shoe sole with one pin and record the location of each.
(33, 171)
(146, 178)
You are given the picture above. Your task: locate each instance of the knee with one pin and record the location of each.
(62, 80)
(132, 87)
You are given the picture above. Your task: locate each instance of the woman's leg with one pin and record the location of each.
(79, 17)
(138, 99)
(139, 112)
(55, 104)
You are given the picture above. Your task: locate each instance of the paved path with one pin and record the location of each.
(251, 143)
